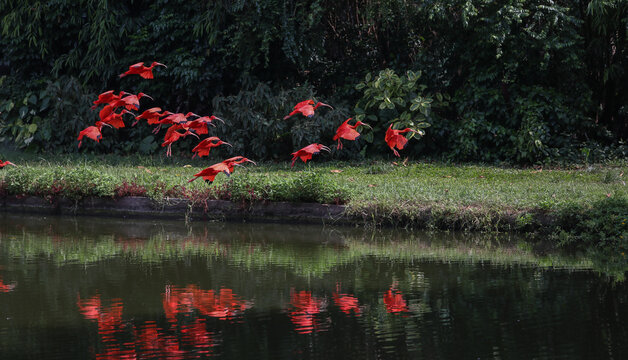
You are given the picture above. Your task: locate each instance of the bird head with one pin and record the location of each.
(189, 114)
(214, 117)
(358, 123)
(319, 104)
(141, 95)
(323, 147)
(155, 63)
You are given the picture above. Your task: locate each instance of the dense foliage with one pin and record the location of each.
(514, 80)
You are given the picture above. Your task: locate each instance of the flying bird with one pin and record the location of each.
(306, 108)
(92, 132)
(203, 148)
(5, 163)
(226, 166)
(306, 153)
(151, 116)
(144, 71)
(173, 134)
(108, 97)
(348, 132)
(395, 139)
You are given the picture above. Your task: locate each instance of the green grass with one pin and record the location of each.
(468, 197)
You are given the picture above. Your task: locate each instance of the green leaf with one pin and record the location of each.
(368, 77)
(414, 106)
(23, 111)
(32, 128)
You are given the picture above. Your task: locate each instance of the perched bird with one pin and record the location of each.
(144, 71)
(203, 148)
(173, 134)
(395, 139)
(306, 153)
(348, 132)
(92, 132)
(5, 163)
(306, 108)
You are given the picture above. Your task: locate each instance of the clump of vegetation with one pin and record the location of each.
(602, 225)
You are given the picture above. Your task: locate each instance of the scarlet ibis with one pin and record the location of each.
(306, 153)
(209, 174)
(108, 97)
(151, 115)
(172, 118)
(203, 148)
(306, 108)
(115, 120)
(144, 71)
(92, 132)
(130, 101)
(200, 125)
(226, 166)
(395, 139)
(173, 134)
(348, 132)
(7, 162)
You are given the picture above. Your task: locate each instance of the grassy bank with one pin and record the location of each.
(569, 205)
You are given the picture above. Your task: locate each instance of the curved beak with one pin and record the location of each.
(367, 125)
(226, 143)
(325, 148)
(160, 64)
(219, 119)
(148, 96)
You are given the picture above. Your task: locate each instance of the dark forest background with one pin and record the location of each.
(520, 81)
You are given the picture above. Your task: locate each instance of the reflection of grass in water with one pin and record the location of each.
(309, 261)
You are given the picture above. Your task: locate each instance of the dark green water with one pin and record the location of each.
(112, 289)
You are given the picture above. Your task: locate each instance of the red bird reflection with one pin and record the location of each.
(222, 304)
(346, 303)
(394, 301)
(306, 307)
(5, 288)
(122, 340)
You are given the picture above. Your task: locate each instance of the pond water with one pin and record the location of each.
(81, 288)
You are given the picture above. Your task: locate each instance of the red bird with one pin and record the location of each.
(200, 125)
(115, 119)
(348, 132)
(209, 174)
(130, 102)
(144, 71)
(306, 108)
(108, 97)
(226, 166)
(173, 135)
(203, 148)
(92, 132)
(306, 153)
(3, 164)
(395, 139)
(151, 115)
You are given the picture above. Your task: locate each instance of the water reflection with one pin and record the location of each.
(5, 288)
(112, 290)
(394, 301)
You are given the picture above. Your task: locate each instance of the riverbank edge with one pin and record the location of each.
(420, 217)
(178, 209)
